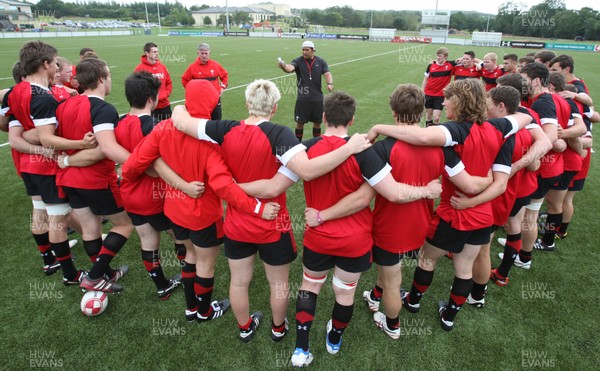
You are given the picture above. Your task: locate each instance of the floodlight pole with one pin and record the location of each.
(227, 15)
(371, 18)
(488, 24)
(147, 21)
(158, 12)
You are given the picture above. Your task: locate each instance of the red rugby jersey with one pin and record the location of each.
(552, 162)
(350, 236)
(33, 105)
(490, 77)
(479, 146)
(12, 121)
(460, 72)
(253, 152)
(439, 78)
(77, 116)
(60, 93)
(144, 196)
(193, 160)
(572, 160)
(527, 180)
(393, 231)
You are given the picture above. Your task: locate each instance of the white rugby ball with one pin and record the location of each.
(94, 303)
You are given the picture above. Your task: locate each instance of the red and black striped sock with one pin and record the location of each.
(43, 243)
(376, 293)
(421, 282)
(188, 275)
(460, 290)
(562, 230)
(525, 256)
(299, 134)
(306, 306)
(151, 261)
(340, 318)
(316, 132)
(511, 249)
(203, 289)
(110, 247)
(392, 323)
(63, 255)
(92, 248)
(277, 328)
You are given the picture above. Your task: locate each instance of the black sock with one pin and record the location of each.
(316, 132)
(151, 261)
(188, 275)
(421, 282)
(376, 293)
(524, 256)
(43, 243)
(180, 251)
(512, 248)
(563, 228)
(460, 290)
(552, 223)
(340, 318)
(478, 291)
(92, 248)
(203, 289)
(306, 306)
(110, 247)
(429, 123)
(63, 255)
(392, 323)
(299, 134)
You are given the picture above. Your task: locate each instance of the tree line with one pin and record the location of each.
(549, 19)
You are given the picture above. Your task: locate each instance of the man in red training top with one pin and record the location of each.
(151, 63)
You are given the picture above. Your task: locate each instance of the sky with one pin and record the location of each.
(486, 6)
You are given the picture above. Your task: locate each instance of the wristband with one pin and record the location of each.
(319, 220)
(330, 83)
(261, 208)
(66, 161)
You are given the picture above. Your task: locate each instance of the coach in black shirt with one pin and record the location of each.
(309, 104)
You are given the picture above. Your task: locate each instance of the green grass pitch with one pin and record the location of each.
(543, 318)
